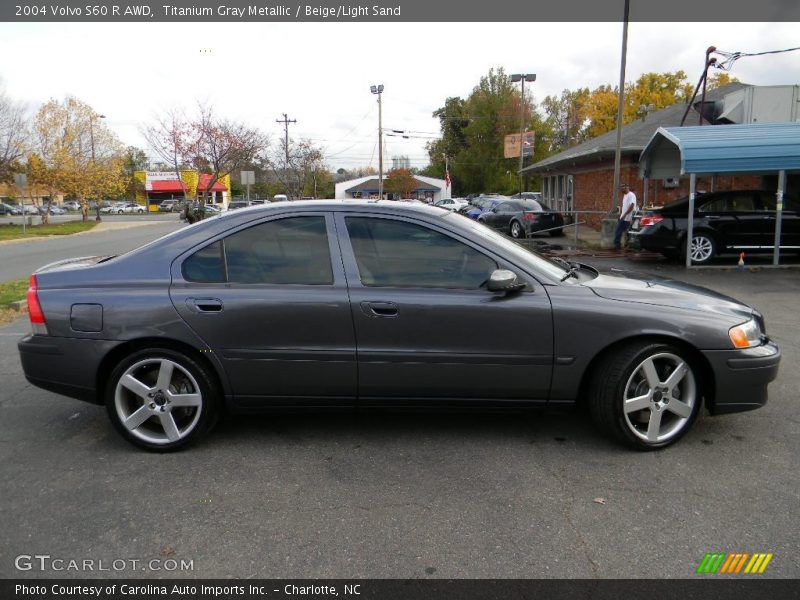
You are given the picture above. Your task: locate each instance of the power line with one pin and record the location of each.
(732, 57)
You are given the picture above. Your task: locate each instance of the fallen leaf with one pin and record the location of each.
(599, 500)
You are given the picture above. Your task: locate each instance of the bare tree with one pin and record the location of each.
(300, 172)
(169, 137)
(14, 135)
(220, 146)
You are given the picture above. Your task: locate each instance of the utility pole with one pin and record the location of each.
(286, 122)
(620, 106)
(522, 77)
(378, 89)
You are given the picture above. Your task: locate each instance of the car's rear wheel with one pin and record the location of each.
(646, 395)
(161, 399)
(703, 248)
(516, 231)
(557, 232)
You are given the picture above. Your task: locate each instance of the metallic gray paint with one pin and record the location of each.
(326, 345)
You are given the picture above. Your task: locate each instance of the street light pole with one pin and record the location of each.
(378, 89)
(522, 77)
(91, 140)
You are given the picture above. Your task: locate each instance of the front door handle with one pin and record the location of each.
(211, 305)
(379, 309)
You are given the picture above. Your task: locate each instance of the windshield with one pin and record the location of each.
(512, 249)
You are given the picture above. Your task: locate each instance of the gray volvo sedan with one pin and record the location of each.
(380, 304)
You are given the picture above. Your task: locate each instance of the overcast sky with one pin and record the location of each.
(320, 73)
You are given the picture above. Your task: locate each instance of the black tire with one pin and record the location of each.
(624, 403)
(159, 417)
(516, 230)
(557, 232)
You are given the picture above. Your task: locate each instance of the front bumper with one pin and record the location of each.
(741, 377)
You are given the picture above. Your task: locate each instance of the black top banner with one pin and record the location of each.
(287, 11)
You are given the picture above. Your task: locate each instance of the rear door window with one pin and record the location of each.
(293, 250)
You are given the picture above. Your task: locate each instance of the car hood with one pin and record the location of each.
(644, 288)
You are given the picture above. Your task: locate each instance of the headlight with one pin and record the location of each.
(745, 335)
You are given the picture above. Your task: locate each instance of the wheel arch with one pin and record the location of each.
(120, 352)
(702, 367)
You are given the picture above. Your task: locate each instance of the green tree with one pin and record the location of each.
(473, 135)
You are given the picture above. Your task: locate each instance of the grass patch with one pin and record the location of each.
(13, 231)
(11, 291)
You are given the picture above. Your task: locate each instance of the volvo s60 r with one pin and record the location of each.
(379, 304)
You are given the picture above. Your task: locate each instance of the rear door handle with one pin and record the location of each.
(204, 304)
(379, 309)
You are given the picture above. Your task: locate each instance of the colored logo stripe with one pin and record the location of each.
(734, 563)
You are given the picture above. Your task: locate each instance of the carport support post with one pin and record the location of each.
(690, 220)
(776, 253)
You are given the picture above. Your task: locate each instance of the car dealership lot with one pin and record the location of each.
(409, 495)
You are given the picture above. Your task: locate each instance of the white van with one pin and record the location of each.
(280, 198)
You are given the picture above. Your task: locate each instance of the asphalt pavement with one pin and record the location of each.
(414, 495)
(116, 234)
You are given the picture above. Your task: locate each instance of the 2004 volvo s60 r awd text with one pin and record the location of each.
(359, 304)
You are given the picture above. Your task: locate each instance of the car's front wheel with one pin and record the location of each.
(161, 399)
(647, 395)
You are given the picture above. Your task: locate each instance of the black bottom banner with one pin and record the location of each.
(405, 589)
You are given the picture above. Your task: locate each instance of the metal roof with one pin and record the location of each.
(750, 148)
(635, 135)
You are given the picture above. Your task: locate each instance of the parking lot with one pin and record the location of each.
(410, 495)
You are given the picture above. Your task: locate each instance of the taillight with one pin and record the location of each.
(650, 220)
(35, 312)
(529, 217)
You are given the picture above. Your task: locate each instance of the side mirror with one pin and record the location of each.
(503, 280)
(494, 210)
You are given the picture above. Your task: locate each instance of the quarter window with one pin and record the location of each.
(393, 253)
(284, 251)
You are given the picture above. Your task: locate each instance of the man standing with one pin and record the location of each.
(625, 215)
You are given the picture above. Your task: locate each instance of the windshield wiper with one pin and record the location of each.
(571, 272)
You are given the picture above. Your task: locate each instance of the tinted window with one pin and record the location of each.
(399, 254)
(532, 205)
(734, 202)
(770, 202)
(206, 265)
(290, 251)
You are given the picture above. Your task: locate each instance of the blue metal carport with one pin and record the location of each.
(753, 148)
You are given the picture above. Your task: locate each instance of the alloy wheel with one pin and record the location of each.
(659, 398)
(158, 401)
(702, 249)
